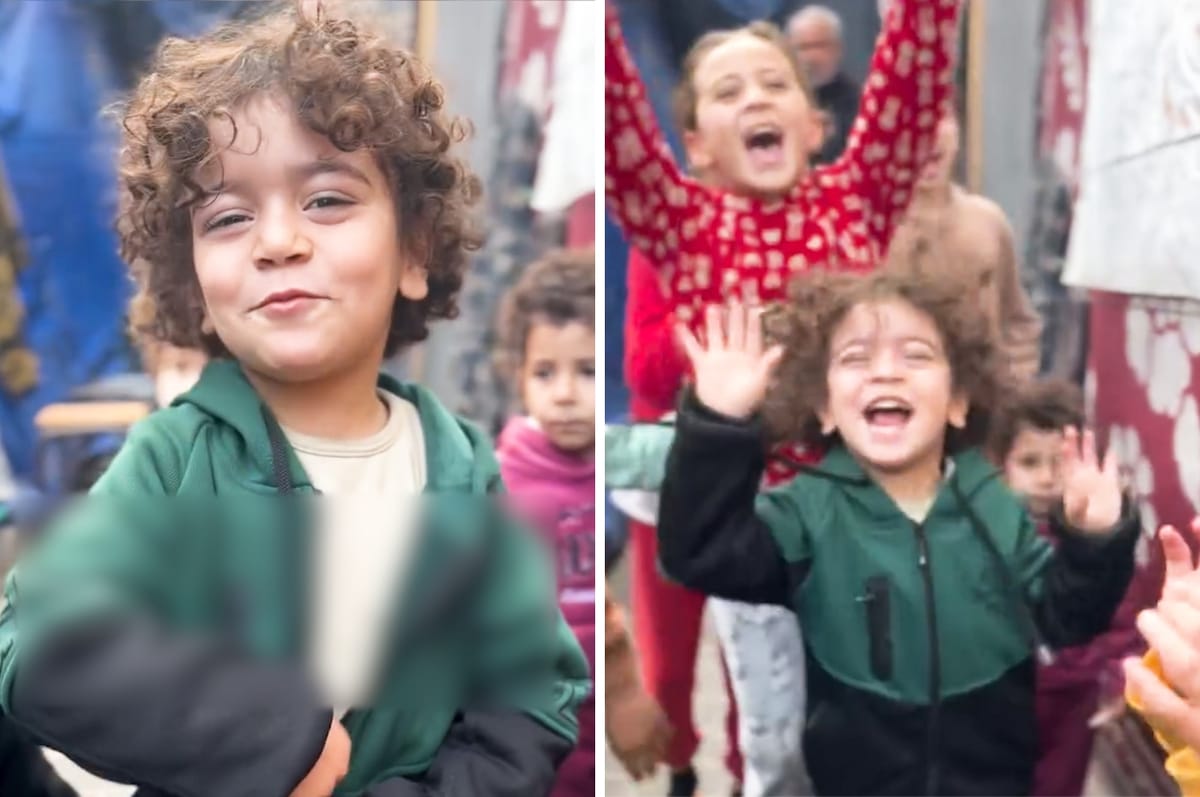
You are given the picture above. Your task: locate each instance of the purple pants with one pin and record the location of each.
(1064, 739)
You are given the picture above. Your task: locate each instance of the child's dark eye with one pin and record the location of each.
(328, 202)
(225, 221)
(588, 370)
(543, 373)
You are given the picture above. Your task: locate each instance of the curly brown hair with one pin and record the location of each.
(818, 303)
(559, 289)
(1047, 405)
(343, 82)
(684, 97)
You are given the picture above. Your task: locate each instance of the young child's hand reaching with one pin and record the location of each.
(1171, 700)
(1091, 492)
(732, 371)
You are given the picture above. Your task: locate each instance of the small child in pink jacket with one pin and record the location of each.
(547, 456)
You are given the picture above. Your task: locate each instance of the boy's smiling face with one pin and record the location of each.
(297, 250)
(890, 393)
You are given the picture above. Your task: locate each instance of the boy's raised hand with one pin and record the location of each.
(732, 372)
(1091, 492)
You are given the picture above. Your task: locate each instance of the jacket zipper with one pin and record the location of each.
(932, 764)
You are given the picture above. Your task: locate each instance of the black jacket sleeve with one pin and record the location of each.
(709, 537)
(1085, 580)
(187, 717)
(487, 755)
(24, 771)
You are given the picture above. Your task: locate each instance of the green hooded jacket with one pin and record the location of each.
(156, 635)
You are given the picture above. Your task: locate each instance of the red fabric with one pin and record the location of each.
(1064, 79)
(666, 627)
(530, 32)
(655, 366)
(1065, 740)
(709, 244)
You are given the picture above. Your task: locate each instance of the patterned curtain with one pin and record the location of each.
(516, 235)
(1061, 102)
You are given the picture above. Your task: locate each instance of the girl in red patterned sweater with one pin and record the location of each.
(753, 215)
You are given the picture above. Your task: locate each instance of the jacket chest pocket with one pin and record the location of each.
(877, 603)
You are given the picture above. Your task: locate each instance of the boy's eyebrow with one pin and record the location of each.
(300, 173)
(867, 340)
(331, 166)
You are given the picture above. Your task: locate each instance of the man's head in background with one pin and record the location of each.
(815, 33)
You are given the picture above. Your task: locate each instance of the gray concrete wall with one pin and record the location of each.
(1012, 63)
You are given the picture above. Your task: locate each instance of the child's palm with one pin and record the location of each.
(1091, 492)
(733, 371)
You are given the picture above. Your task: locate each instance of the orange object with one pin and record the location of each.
(1183, 763)
(89, 417)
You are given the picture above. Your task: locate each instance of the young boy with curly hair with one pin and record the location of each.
(292, 205)
(922, 587)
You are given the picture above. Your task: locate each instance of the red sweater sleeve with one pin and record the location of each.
(908, 88)
(654, 365)
(648, 195)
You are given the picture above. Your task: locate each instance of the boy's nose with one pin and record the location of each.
(884, 366)
(280, 241)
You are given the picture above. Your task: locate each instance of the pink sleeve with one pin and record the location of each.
(646, 192)
(908, 88)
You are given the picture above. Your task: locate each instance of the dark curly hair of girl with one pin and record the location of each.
(558, 289)
(820, 300)
(343, 82)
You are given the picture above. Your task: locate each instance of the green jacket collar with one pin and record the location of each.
(457, 455)
(968, 471)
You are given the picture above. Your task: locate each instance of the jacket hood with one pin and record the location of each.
(969, 471)
(458, 456)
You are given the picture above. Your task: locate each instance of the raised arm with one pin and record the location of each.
(714, 534)
(648, 195)
(1075, 594)
(907, 90)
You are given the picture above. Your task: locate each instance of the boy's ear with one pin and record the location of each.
(414, 282)
(956, 413)
(828, 427)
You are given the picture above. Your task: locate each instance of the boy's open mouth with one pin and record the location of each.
(764, 143)
(888, 413)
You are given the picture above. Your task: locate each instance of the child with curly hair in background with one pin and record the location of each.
(293, 206)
